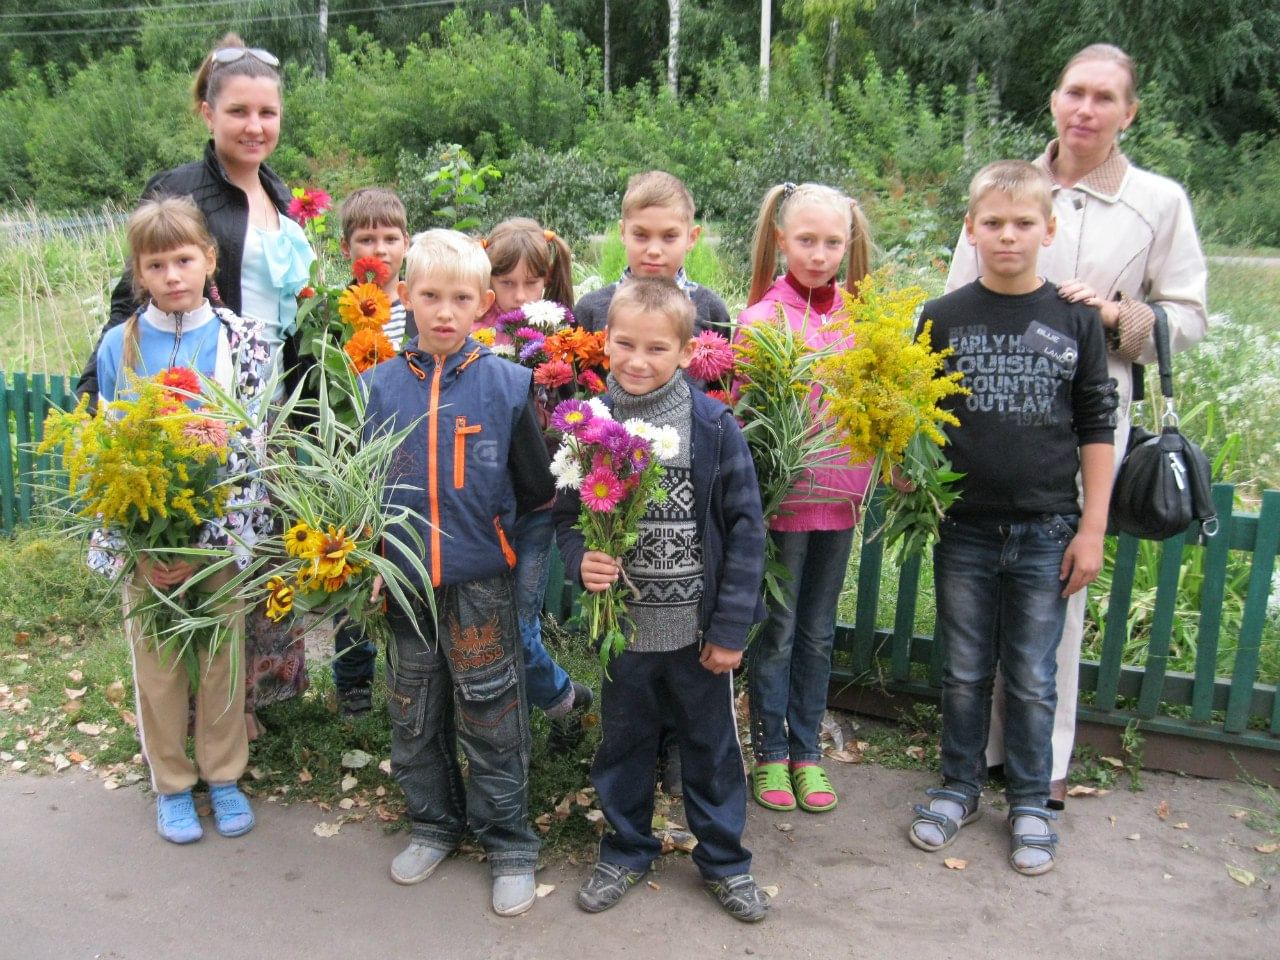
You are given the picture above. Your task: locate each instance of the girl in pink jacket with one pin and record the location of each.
(819, 231)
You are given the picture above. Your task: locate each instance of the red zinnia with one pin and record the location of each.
(182, 382)
(371, 270)
(591, 380)
(308, 204)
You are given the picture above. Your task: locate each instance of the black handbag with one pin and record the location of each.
(1164, 480)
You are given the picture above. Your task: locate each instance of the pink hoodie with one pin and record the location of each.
(806, 509)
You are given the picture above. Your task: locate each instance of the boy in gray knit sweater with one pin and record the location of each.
(690, 607)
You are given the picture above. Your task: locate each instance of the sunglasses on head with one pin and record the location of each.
(225, 55)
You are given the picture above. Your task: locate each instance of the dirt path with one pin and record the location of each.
(1272, 262)
(84, 875)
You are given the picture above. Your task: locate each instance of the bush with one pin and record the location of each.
(568, 192)
(1243, 207)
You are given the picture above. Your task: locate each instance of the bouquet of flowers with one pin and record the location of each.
(616, 469)
(146, 480)
(568, 357)
(325, 485)
(884, 395)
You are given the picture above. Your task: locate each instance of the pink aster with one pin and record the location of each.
(712, 356)
(309, 204)
(553, 374)
(601, 491)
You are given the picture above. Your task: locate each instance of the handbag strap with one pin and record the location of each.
(1160, 334)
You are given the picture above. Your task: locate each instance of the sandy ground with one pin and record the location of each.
(83, 875)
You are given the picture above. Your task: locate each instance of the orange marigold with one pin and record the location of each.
(364, 306)
(368, 348)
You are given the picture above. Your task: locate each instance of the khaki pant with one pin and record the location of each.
(162, 693)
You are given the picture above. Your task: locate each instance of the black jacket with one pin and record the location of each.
(226, 210)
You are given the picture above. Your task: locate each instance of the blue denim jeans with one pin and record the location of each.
(463, 687)
(789, 663)
(545, 680)
(999, 602)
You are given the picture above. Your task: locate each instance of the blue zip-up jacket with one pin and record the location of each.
(730, 526)
(474, 461)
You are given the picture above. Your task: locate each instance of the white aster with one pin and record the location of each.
(503, 349)
(565, 468)
(599, 409)
(640, 428)
(544, 315)
(666, 443)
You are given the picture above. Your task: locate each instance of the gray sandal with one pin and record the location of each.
(947, 826)
(1020, 842)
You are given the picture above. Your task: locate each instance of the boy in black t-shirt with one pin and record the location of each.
(1017, 543)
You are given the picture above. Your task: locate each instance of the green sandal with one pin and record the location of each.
(811, 779)
(772, 777)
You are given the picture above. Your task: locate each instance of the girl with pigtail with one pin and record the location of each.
(819, 232)
(529, 264)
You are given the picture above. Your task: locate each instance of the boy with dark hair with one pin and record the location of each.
(691, 607)
(373, 224)
(1018, 542)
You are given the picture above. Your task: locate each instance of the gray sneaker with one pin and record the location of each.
(606, 886)
(513, 895)
(740, 897)
(416, 862)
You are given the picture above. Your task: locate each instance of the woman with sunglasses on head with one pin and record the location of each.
(263, 262)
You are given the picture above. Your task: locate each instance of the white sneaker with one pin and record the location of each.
(416, 862)
(514, 895)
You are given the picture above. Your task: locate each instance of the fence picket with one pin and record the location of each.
(1161, 626)
(22, 415)
(1212, 593)
(1255, 613)
(869, 566)
(1117, 629)
(8, 469)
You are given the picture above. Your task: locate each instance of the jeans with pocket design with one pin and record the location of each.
(463, 685)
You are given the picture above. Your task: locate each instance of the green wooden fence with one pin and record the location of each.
(1234, 709)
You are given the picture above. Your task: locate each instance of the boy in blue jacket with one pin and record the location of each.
(475, 460)
(691, 607)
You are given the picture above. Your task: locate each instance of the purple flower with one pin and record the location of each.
(530, 350)
(571, 416)
(638, 454)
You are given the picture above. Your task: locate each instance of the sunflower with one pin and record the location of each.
(368, 348)
(364, 306)
(302, 541)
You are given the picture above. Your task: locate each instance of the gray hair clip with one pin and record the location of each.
(788, 189)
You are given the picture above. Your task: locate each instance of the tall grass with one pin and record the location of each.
(56, 273)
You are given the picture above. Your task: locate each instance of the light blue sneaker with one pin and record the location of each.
(231, 812)
(176, 817)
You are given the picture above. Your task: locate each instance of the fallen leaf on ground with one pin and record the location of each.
(595, 816)
(1241, 875)
(1182, 826)
(356, 759)
(348, 783)
(564, 807)
(75, 676)
(1113, 761)
(89, 729)
(326, 829)
(60, 763)
(652, 886)
(385, 767)
(785, 827)
(6, 757)
(304, 776)
(18, 765)
(845, 756)
(1113, 820)
(1267, 847)
(1162, 810)
(543, 822)
(955, 863)
(256, 773)
(1080, 790)
(384, 814)
(543, 889)
(916, 752)
(380, 792)
(346, 803)
(75, 694)
(132, 778)
(1134, 836)
(1239, 814)
(128, 717)
(582, 798)
(75, 756)
(71, 708)
(770, 891)
(20, 638)
(114, 692)
(110, 784)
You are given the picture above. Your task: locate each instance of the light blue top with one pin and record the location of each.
(275, 268)
(164, 340)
